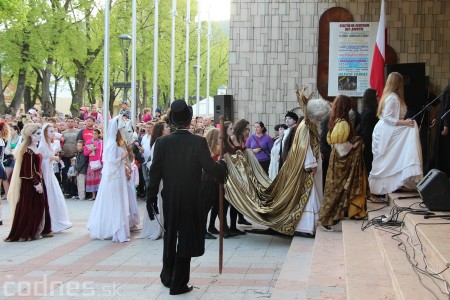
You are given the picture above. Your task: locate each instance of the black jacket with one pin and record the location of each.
(178, 160)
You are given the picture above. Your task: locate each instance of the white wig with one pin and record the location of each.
(318, 109)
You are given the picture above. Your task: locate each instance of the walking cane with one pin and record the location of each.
(221, 192)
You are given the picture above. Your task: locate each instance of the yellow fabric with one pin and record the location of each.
(340, 133)
(278, 204)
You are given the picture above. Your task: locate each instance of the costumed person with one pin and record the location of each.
(4, 135)
(109, 218)
(397, 153)
(153, 229)
(291, 120)
(440, 159)
(316, 110)
(178, 161)
(368, 121)
(27, 196)
(134, 218)
(261, 144)
(345, 189)
(279, 204)
(56, 200)
(274, 166)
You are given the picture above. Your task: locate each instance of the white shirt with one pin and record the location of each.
(145, 143)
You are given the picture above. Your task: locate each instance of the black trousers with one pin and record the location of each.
(175, 272)
(65, 179)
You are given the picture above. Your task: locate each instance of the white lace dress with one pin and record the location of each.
(56, 201)
(397, 153)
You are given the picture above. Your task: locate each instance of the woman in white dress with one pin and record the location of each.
(153, 229)
(397, 154)
(274, 166)
(109, 218)
(131, 188)
(56, 201)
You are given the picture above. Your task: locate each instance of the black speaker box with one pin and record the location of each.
(414, 83)
(434, 189)
(223, 106)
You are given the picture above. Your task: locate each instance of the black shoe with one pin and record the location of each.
(1, 222)
(304, 234)
(213, 230)
(237, 231)
(244, 222)
(184, 290)
(209, 236)
(228, 234)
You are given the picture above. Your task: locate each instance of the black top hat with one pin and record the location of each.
(292, 115)
(180, 113)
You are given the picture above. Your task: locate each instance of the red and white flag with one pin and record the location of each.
(379, 55)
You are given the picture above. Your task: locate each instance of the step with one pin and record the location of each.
(327, 278)
(367, 277)
(293, 278)
(405, 281)
(433, 234)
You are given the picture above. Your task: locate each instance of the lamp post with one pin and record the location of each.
(197, 69)
(125, 41)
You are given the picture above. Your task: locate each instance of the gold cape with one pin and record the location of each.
(278, 204)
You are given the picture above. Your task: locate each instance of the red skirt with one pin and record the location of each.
(93, 179)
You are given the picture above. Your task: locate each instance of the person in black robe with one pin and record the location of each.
(440, 159)
(178, 160)
(368, 121)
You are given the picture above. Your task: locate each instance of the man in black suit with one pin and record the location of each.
(178, 160)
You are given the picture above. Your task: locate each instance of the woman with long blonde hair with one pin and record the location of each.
(396, 146)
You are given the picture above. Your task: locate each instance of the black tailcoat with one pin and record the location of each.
(178, 160)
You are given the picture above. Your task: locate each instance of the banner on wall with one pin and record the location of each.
(350, 59)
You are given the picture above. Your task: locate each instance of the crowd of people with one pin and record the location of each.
(174, 160)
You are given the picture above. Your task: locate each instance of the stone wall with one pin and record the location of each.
(273, 47)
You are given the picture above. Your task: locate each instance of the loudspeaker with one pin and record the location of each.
(414, 83)
(223, 106)
(434, 189)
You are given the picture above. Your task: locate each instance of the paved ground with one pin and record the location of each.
(73, 266)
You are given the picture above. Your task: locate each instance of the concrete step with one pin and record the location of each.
(293, 278)
(367, 277)
(327, 274)
(406, 282)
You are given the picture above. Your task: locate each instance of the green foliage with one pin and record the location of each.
(72, 33)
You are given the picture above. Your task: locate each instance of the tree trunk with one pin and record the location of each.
(80, 87)
(47, 106)
(2, 98)
(18, 96)
(28, 103)
(145, 102)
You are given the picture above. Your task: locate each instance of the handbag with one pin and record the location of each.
(95, 165)
(8, 160)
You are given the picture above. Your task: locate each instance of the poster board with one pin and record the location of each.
(350, 57)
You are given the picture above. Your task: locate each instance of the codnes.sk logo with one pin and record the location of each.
(46, 287)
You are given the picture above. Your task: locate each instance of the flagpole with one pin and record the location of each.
(106, 70)
(208, 59)
(199, 32)
(379, 55)
(155, 58)
(172, 56)
(186, 70)
(133, 64)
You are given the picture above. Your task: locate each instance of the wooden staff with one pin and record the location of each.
(221, 193)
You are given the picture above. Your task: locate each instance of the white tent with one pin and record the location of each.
(202, 107)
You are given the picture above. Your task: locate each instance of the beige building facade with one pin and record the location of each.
(274, 47)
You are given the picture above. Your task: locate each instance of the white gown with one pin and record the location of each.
(109, 218)
(152, 229)
(397, 153)
(274, 156)
(56, 201)
(310, 216)
(134, 219)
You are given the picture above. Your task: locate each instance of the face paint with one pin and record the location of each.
(36, 136)
(50, 132)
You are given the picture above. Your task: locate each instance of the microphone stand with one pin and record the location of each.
(434, 100)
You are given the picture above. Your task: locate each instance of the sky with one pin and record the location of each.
(220, 9)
